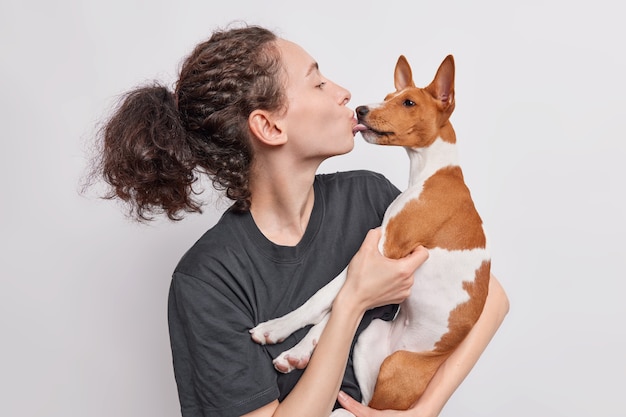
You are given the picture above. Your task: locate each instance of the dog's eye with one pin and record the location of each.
(408, 103)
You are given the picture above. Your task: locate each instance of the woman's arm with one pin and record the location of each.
(372, 281)
(454, 370)
(316, 391)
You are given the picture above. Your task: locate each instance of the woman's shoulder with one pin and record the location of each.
(342, 192)
(216, 246)
(360, 176)
(356, 181)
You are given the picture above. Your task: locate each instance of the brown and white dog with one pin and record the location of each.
(394, 361)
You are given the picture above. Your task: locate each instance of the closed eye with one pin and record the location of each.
(321, 85)
(408, 103)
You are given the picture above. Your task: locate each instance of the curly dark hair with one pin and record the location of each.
(157, 142)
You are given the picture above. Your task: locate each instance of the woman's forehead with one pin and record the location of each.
(297, 62)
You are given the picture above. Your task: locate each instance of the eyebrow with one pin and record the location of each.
(313, 67)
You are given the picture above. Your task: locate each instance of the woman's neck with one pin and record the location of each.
(282, 203)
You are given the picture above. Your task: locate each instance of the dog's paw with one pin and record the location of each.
(286, 363)
(269, 332)
(295, 358)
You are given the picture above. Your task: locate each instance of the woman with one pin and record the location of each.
(254, 112)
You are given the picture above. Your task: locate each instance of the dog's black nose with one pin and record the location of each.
(362, 111)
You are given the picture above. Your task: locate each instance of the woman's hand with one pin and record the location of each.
(360, 410)
(374, 280)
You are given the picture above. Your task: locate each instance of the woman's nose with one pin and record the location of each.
(345, 96)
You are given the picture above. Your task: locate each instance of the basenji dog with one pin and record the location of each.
(394, 361)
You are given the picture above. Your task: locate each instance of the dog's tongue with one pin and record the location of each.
(358, 128)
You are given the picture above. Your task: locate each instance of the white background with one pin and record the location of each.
(540, 123)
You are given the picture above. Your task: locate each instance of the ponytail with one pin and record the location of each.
(156, 144)
(145, 157)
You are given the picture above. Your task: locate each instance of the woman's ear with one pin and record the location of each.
(267, 128)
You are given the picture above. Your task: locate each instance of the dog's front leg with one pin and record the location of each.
(311, 312)
(299, 355)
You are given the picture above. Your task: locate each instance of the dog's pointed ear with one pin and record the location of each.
(442, 86)
(403, 77)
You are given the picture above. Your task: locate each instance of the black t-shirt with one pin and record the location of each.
(233, 278)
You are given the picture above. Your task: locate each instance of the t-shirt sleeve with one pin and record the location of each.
(219, 370)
